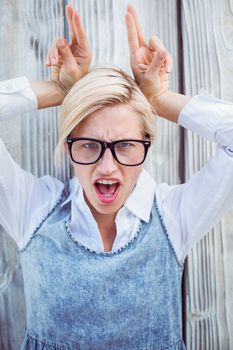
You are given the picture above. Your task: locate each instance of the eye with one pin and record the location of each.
(91, 145)
(125, 145)
(86, 146)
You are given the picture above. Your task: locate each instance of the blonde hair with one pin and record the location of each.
(102, 86)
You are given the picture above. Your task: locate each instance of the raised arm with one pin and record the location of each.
(20, 213)
(151, 66)
(69, 63)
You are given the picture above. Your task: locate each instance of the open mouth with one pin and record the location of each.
(107, 190)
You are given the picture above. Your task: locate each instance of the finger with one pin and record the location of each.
(168, 63)
(55, 73)
(47, 60)
(80, 33)
(69, 62)
(132, 33)
(69, 15)
(141, 38)
(157, 64)
(50, 61)
(53, 55)
(156, 44)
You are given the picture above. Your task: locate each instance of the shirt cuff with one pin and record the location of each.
(16, 97)
(209, 117)
(14, 85)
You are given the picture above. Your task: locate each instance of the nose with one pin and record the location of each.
(107, 164)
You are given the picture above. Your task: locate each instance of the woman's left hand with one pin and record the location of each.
(150, 63)
(70, 62)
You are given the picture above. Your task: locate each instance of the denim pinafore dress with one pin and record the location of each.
(77, 298)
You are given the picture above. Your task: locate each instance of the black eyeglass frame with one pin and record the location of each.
(104, 146)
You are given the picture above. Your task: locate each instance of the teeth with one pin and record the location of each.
(108, 195)
(107, 182)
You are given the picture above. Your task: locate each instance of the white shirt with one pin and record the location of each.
(188, 210)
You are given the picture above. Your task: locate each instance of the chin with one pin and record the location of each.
(106, 209)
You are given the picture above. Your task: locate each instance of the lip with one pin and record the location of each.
(107, 178)
(101, 196)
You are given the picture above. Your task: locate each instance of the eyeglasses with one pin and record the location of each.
(126, 152)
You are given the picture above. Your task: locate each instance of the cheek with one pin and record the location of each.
(77, 171)
(131, 177)
(83, 174)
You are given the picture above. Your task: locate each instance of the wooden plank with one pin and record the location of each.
(208, 55)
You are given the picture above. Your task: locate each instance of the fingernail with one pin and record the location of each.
(53, 61)
(168, 69)
(47, 63)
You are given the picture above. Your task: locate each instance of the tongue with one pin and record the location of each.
(106, 188)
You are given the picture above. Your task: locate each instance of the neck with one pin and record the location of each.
(107, 228)
(106, 225)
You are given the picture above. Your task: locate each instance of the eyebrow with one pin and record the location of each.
(121, 137)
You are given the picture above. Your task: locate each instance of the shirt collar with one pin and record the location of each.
(138, 203)
(74, 190)
(141, 199)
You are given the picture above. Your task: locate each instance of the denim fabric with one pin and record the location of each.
(81, 299)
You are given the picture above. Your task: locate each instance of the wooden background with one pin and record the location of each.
(199, 35)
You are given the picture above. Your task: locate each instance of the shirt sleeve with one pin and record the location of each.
(209, 117)
(190, 210)
(24, 199)
(16, 97)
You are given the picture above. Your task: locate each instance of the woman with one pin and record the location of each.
(102, 256)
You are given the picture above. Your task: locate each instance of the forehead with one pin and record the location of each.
(111, 122)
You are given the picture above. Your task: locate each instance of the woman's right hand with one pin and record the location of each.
(70, 62)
